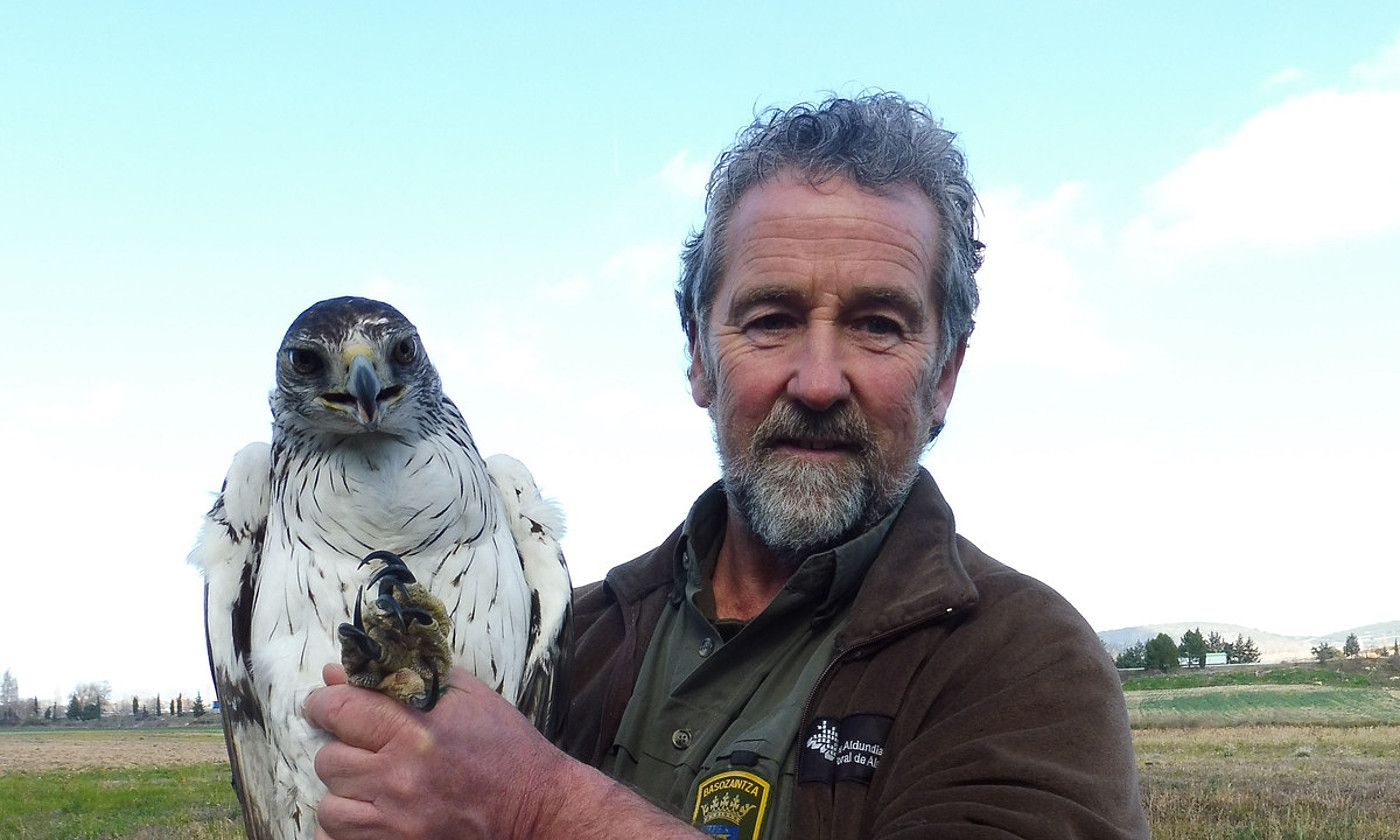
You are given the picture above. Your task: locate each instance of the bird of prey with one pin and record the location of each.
(369, 519)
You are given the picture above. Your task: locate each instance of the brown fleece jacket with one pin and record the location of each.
(1001, 714)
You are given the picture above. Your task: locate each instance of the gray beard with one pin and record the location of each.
(798, 508)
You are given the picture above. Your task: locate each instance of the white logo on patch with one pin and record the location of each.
(824, 740)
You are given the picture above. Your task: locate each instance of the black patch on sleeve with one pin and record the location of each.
(862, 746)
(845, 750)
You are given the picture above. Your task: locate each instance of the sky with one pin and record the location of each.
(1179, 403)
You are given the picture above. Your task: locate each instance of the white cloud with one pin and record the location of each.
(687, 178)
(569, 290)
(644, 268)
(1033, 311)
(1381, 71)
(1319, 167)
(1286, 76)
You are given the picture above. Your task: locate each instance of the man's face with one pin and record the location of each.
(821, 348)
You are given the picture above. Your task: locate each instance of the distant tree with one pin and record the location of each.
(1134, 656)
(135, 706)
(1243, 650)
(1215, 643)
(1161, 653)
(48, 713)
(75, 708)
(1193, 647)
(1324, 652)
(34, 706)
(93, 698)
(158, 706)
(1351, 647)
(198, 708)
(172, 708)
(180, 705)
(9, 697)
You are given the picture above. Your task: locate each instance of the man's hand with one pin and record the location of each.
(474, 767)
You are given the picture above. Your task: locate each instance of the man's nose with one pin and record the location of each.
(818, 378)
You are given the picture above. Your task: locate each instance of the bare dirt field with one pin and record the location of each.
(31, 751)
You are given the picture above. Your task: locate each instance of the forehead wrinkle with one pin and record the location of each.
(900, 235)
(844, 248)
(865, 270)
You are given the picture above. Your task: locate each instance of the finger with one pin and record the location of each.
(357, 716)
(332, 674)
(348, 819)
(348, 772)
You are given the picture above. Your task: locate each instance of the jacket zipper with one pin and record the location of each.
(850, 651)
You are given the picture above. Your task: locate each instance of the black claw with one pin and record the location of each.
(421, 616)
(369, 647)
(389, 575)
(359, 625)
(389, 558)
(389, 605)
(433, 692)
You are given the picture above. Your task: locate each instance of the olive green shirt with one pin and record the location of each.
(710, 729)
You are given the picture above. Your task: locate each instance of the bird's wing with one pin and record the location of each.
(537, 526)
(229, 552)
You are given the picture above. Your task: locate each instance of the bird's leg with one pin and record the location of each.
(408, 631)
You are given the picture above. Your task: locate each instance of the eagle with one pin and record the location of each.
(373, 532)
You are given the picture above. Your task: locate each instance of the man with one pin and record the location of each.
(814, 653)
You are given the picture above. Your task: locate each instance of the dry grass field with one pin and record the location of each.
(1218, 762)
(1268, 782)
(133, 784)
(39, 750)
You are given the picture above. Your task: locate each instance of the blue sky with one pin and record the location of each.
(1179, 404)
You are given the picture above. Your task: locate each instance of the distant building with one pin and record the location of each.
(1211, 659)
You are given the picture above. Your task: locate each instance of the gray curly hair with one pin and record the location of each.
(876, 140)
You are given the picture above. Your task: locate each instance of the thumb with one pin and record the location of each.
(333, 674)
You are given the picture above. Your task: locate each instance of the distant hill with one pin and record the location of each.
(1272, 646)
(1369, 635)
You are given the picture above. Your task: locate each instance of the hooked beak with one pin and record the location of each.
(363, 385)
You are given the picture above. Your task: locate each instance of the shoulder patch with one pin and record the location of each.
(845, 750)
(732, 804)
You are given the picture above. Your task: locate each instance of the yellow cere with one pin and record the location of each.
(359, 348)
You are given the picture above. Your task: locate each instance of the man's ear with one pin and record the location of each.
(948, 377)
(701, 386)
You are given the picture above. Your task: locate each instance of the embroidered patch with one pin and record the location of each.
(817, 760)
(848, 750)
(731, 804)
(862, 746)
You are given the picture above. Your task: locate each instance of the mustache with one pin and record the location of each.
(842, 426)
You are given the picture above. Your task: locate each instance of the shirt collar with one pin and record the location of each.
(828, 580)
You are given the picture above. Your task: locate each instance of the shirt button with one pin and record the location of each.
(707, 647)
(680, 739)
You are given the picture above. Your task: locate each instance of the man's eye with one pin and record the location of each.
(770, 323)
(877, 325)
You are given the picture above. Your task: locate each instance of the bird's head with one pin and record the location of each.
(352, 365)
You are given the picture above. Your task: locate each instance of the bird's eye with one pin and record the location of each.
(305, 362)
(406, 350)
